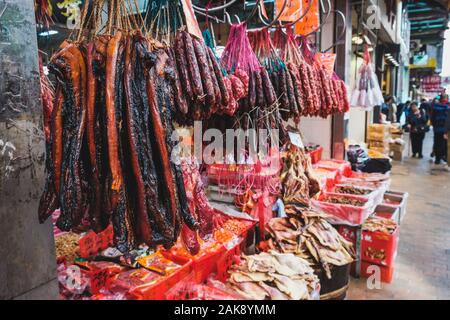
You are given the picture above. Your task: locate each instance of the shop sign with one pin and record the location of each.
(432, 84)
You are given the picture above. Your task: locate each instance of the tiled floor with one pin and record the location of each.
(422, 267)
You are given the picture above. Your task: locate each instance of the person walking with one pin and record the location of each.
(389, 108)
(417, 124)
(439, 120)
(403, 108)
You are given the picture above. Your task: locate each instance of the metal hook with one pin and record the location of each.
(344, 29)
(226, 5)
(228, 18)
(275, 20)
(237, 18)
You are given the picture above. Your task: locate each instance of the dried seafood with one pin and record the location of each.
(376, 224)
(308, 235)
(275, 276)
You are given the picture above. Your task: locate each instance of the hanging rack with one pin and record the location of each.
(226, 5)
(269, 24)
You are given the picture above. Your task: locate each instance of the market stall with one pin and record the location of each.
(140, 215)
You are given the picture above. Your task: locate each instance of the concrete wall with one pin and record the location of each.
(27, 257)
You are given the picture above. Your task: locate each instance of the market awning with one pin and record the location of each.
(429, 20)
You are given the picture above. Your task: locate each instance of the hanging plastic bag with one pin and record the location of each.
(367, 92)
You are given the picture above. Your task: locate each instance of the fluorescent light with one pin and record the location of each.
(48, 33)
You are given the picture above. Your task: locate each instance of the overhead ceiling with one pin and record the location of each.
(429, 19)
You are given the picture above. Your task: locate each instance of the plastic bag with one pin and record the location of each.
(367, 93)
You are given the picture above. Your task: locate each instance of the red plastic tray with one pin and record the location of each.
(344, 167)
(376, 195)
(156, 291)
(342, 213)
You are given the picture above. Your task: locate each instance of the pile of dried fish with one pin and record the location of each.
(377, 224)
(345, 200)
(298, 181)
(352, 190)
(308, 235)
(274, 276)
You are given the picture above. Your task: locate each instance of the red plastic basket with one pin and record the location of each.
(386, 274)
(342, 213)
(379, 248)
(316, 155)
(156, 291)
(344, 167)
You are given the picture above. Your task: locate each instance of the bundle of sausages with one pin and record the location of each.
(203, 89)
(241, 62)
(304, 87)
(110, 141)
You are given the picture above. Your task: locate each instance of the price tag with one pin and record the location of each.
(296, 139)
(98, 280)
(88, 245)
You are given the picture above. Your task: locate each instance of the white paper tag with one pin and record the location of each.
(296, 140)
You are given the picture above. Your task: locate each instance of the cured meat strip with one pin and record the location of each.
(269, 91)
(194, 71)
(49, 201)
(220, 78)
(73, 121)
(136, 113)
(121, 216)
(92, 133)
(217, 93)
(252, 91)
(182, 65)
(180, 99)
(208, 86)
(260, 100)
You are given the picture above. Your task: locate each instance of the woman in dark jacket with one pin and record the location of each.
(417, 124)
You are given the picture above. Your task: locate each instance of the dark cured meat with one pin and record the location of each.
(121, 215)
(269, 91)
(172, 177)
(73, 122)
(220, 78)
(162, 164)
(291, 93)
(205, 74)
(252, 91)
(194, 72)
(182, 65)
(260, 100)
(217, 93)
(140, 156)
(284, 96)
(180, 99)
(49, 199)
(306, 86)
(297, 89)
(92, 130)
